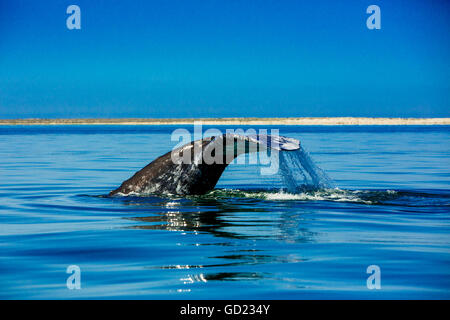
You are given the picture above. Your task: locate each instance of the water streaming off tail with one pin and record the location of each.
(299, 172)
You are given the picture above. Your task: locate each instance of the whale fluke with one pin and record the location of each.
(195, 168)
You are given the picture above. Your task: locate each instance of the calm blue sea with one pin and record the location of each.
(245, 240)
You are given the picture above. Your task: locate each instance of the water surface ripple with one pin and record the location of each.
(249, 238)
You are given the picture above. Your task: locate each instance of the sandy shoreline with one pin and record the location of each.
(233, 121)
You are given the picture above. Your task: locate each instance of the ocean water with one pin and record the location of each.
(253, 237)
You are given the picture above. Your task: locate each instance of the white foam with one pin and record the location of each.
(335, 195)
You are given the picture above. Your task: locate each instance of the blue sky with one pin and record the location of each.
(226, 58)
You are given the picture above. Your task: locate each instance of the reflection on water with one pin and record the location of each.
(222, 276)
(221, 218)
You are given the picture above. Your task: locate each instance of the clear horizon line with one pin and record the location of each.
(232, 121)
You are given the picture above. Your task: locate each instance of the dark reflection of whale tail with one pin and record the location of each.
(219, 218)
(230, 222)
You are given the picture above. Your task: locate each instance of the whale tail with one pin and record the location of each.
(196, 167)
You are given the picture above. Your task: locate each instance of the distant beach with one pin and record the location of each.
(328, 121)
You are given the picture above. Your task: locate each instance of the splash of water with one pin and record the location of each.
(299, 172)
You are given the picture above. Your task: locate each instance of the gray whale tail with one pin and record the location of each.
(195, 168)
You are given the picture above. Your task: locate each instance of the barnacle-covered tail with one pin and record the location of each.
(196, 167)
